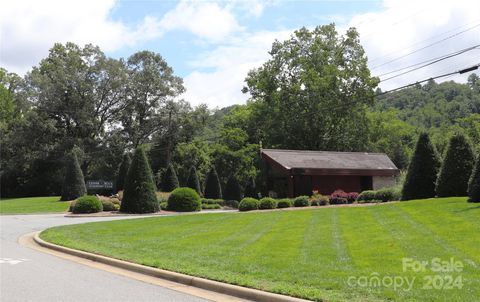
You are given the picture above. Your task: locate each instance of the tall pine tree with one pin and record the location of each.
(122, 171)
(192, 181)
(74, 183)
(474, 183)
(422, 171)
(213, 190)
(170, 179)
(233, 191)
(456, 168)
(139, 191)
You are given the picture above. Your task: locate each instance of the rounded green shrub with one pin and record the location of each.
(232, 203)
(387, 194)
(319, 200)
(248, 204)
(284, 203)
(184, 200)
(108, 206)
(87, 204)
(365, 196)
(301, 201)
(267, 203)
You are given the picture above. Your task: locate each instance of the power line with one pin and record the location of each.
(461, 71)
(428, 63)
(427, 46)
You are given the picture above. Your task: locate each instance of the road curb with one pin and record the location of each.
(215, 286)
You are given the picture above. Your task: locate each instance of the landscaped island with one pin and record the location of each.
(322, 253)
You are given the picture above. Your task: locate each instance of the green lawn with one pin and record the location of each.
(30, 205)
(324, 253)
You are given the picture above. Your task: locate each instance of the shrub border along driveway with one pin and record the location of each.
(220, 287)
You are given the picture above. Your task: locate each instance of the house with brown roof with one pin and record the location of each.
(293, 172)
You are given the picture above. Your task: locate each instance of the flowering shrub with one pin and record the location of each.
(341, 197)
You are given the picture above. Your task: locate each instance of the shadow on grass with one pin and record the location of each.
(476, 207)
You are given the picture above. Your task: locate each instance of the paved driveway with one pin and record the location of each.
(30, 275)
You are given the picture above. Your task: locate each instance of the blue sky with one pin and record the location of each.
(213, 44)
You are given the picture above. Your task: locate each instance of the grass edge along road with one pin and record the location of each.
(33, 205)
(323, 253)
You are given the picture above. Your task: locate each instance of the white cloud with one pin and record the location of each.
(205, 19)
(406, 26)
(230, 63)
(28, 29)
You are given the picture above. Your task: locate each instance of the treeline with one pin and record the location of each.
(315, 92)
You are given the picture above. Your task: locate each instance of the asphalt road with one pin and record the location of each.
(30, 275)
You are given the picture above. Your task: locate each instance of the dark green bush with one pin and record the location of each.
(184, 200)
(301, 201)
(232, 203)
(74, 183)
(122, 172)
(108, 205)
(170, 180)
(387, 194)
(193, 182)
(456, 168)
(139, 192)
(213, 190)
(87, 204)
(267, 203)
(474, 183)
(422, 171)
(366, 196)
(284, 203)
(164, 205)
(213, 201)
(233, 191)
(250, 188)
(248, 204)
(214, 206)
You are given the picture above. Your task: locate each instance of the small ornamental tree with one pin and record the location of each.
(122, 171)
(474, 183)
(170, 180)
(456, 168)
(193, 182)
(139, 191)
(233, 191)
(250, 188)
(73, 184)
(213, 190)
(422, 171)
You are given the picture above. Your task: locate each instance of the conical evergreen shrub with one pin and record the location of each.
(422, 171)
(74, 183)
(251, 189)
(456, 168)
(213, 190)
(233, 191)
(474, 183)
(122, 171)
(139, 191)
(170, 180)
(193, 182)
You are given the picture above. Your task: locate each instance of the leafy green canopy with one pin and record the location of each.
(213, 189)
(233, 190)
(73, 184)
(170, 180)
(139, 192)
(422, 171)
(122, 171)
(192, 181)
(474, 183)
(456, 168)
(316, 83)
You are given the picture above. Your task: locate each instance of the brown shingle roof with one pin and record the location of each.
(327, 160)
